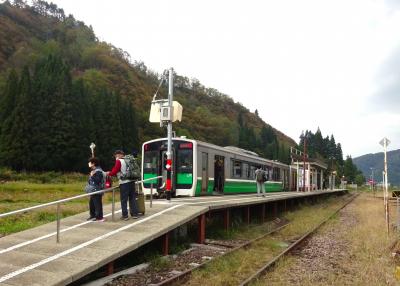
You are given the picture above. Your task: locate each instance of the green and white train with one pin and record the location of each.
(201, 168)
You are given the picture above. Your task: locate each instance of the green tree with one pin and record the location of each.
(17, 128)
(359, 180)
(9, 96)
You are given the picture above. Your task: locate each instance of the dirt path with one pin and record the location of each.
(352, 249)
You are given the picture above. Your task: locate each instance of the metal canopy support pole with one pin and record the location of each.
(202, 228)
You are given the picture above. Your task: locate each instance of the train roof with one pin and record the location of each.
(229, 149)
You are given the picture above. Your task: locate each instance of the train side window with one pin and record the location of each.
(246, 170)
(236, 169)
(276, 174)
(252, 172)
(268, 170)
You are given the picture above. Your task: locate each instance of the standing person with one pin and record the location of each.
(260, 179)
(126, 187)
(96, 180)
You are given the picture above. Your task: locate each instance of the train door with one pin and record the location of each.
(219, 174)
(204, 172)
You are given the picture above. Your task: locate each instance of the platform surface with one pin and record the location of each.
(32, 257)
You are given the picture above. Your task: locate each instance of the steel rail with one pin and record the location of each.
(186, 273)
(59, 202)
(271, 263)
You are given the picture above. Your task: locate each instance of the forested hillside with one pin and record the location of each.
(376, 161)
(61, 88)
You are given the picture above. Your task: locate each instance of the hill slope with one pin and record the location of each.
(365, 162)
(30, 33)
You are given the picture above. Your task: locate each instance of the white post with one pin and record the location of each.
(386, 190)
(309, 177)
(297, 177)
(385, 142)
(322, 179)
(333, 181)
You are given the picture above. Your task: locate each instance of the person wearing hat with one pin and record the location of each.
(126, 187)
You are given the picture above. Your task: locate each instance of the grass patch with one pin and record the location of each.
(160, 263)
(20, 194)
(7, 175)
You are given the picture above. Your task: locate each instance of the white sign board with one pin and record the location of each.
(384, 142)
(155, 111)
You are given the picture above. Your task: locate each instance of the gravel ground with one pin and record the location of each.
(171, 266)
(324, 253)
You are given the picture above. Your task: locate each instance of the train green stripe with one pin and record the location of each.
(185, 178)
(236, 187)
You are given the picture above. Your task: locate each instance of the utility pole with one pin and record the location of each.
(169, 128)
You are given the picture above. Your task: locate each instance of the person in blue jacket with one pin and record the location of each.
(96, 180)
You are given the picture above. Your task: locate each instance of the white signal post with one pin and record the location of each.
(385, 142)
(166, 111)
(169, 147)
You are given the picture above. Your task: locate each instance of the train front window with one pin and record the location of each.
(150, 162)
(184, 167)
(185, 161)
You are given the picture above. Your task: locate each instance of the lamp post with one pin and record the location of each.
(92, 146)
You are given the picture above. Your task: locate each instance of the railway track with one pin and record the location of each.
(295, 244)
(184, 276)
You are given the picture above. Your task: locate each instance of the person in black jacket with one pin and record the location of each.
(95, 201)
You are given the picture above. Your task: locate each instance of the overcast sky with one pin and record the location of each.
(302, 64)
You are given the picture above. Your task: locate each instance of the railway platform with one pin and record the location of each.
(33, 257)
